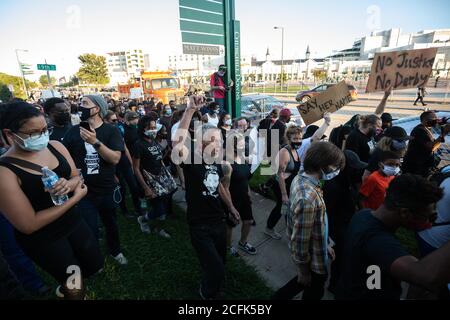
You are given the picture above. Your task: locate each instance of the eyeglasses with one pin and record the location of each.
(36, 135)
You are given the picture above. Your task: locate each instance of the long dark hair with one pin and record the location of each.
(14, 114)
(143, 123)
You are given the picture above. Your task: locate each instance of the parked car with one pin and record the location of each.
(304, 96)
(258, 106)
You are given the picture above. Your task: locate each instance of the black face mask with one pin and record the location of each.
(432, 123)
(86, 114)
(296, 145)
(61, 119)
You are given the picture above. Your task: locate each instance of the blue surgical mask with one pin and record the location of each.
(168, 112)
(391, 171)
(36, 143)
(331, 175)
(151, 133)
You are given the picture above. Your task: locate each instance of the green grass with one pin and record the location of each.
(165, 269)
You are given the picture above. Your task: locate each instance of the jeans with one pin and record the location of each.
(275, 215)
(126, 177)
(210, 244)
(10, 288)
(93, 206)
(20, 264)
(314, 292)
(78, 248)
(159, 207)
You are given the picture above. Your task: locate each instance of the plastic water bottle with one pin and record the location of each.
(144, 205)
(49, 179)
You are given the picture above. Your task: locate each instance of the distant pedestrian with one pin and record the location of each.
(421, 92)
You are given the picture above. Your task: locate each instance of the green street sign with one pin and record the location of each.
(202, 22)
(46, 67)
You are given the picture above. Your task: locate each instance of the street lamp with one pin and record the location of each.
(21, 70)
(282, 55)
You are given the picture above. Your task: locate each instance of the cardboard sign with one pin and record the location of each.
(401, 69)
(330, 101)
(135, 93)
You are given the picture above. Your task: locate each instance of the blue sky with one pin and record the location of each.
(61, 30)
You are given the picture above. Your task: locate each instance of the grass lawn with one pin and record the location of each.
(161, 269)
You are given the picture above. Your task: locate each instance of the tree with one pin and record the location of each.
(93, 69)
(17, 84)
(43, 80)
(5, 94)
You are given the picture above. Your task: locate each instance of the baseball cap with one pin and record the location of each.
(285, 112)
(396, 133)
(131, 115)
(353, 161)
(387, 117)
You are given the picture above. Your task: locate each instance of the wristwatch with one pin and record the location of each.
(97, 144)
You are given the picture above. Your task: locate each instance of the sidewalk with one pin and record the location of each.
(273, 261)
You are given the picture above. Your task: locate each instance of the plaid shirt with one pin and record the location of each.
(307, 225)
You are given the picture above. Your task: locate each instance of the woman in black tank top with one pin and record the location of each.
(288, 167)
(54, 237)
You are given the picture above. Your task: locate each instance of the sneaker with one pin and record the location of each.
(272, 233)
(120, 258)
(164, 234)
(59, 293)
(234, 252)
(143, 224)
(247, 247)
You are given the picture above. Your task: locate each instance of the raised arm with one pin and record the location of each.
(382, 106)
(317, 136)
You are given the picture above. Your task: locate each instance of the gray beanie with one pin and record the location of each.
(100, 102)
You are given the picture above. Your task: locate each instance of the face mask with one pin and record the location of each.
(62, 119)
(86, 114)
(296, 145)
(391, 171)
(331, 175)
(151, 133)
(221, 73)
(432, 123)
(398, 145)
(168, 112)
(217, 111)
(228, 122)
(37, 143)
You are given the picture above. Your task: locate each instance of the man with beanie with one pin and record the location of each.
(96, 149)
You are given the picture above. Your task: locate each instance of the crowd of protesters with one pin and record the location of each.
(342, 199)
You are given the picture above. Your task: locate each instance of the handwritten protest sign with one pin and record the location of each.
(135, 93)
(330, 101)
(401, 69)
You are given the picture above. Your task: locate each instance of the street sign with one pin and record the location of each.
(46, 67)
(236, 71)
(202, 22)
(201, 49)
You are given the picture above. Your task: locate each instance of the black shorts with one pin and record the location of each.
(244, 207)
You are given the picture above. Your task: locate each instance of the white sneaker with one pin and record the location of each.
(143, 224)
(272, 233)
(234, 252)
(164, 234)
(120, 258)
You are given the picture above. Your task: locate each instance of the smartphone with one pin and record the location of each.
(85, 125)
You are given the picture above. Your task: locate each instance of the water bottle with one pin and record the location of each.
(49, 179)
(143, 205)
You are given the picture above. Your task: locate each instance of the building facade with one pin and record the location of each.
(126, 65)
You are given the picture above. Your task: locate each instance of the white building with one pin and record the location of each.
(125, 65)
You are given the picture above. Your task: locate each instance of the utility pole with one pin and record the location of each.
(21, 71)
(282, 56)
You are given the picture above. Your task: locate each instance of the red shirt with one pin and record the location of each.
(374, 189)
(219, 94)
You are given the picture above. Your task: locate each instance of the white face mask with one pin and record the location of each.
(37, 143)
(331, 175)
(391, 171)
(151, 133)
(228, 122)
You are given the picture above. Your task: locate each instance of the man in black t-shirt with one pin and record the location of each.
(97, 152)
(58, 112)
(130, 130)
(206, 185)
(420, 157)
(374, 261)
